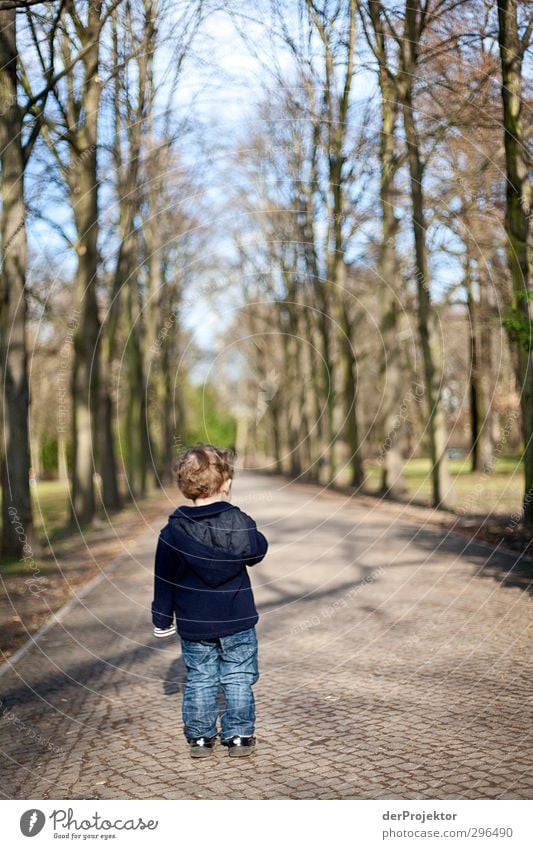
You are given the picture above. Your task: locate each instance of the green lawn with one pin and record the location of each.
(51, 514)
(50, 506)
(497, 491)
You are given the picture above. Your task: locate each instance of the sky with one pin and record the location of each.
(222, 82)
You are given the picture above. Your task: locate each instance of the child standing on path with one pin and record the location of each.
(202, 580)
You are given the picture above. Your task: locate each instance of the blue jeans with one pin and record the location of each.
(228, 662)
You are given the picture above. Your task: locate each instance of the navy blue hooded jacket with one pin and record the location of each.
(200, 571)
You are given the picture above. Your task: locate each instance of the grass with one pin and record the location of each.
(50, 506)
(63, 558)
(51, 516)
(497, 490)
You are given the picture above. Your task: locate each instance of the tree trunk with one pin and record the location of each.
(306, 414)
(62, 467)
(241, 439)
(519, 198)
(311, 388)
(16, 501)
(485, 382)
(138, 449)
(392, 471)
(83, 183)
(121, 281)
(168, 419)
(36, 451)
(336, 100)
(319, 331)
(345, 336)
(349, 384)
(442, 495)
(156, 163)
(173, 413)
(475, 462)
(108, 461)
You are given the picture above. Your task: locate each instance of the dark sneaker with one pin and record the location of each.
(201, 747)
(239, 747)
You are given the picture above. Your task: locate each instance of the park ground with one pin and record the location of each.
(66, 558)
(395, 660)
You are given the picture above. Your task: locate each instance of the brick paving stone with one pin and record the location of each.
(393, 665)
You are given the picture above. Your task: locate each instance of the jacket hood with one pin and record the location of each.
(216, 540)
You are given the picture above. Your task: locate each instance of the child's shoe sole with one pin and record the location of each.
(240, 752)
(240, 747)
(201, 753)
(202, 749)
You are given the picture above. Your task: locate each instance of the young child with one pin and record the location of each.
(202, 580)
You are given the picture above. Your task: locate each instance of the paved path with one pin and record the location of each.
(394, 664)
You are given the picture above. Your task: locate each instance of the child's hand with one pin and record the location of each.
(165, 632)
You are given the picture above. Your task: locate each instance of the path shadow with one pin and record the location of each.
(307, 594)
(510, 569)
(75, 678)
(175, 677)
(176, 673)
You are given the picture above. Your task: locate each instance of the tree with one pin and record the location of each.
(16, 502)
(336, 29)
(71, 133)
(519, 201)
(388, 266)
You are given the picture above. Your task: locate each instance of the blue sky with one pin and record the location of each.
(221, 85)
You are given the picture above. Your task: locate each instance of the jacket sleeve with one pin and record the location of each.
(164, 584)
(259, 544)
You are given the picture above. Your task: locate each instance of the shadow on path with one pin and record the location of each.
(175, 677)
(509, 569)
(77, 678)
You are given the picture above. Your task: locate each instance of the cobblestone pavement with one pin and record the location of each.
(395, 662)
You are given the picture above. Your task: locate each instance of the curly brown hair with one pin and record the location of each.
(202, 470)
